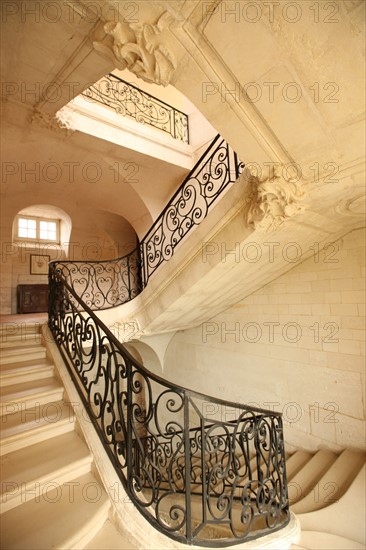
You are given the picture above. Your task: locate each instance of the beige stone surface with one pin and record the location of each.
(278, 331)
(303, 359)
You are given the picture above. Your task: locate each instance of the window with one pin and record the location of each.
(32, 228)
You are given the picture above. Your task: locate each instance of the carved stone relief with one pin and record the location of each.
(60, 122)
(139, 48)
(272, 201)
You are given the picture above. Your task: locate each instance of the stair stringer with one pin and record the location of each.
(126, 516)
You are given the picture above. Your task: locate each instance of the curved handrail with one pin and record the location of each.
(129, 100)
(194, 474)
(104, 284)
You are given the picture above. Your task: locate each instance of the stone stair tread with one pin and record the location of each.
(19, 331)
(13, 328)
(109, 537)
(30, 426)
(78, 510)
(15, 373)
(18, 354)
(26, 389)
(36, 417)
(316, 540)
(21, 340)
(304, 481)
(333, 483)
(23, 366)
(295, 462)
(39, 461)
(346, 517)
(21, 348)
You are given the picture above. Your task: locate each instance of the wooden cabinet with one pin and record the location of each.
(32, 298)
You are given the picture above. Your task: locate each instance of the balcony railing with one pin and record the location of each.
(105, 284)
(128, 100)
(196, 476)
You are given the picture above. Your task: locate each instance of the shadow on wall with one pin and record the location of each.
(145, 355)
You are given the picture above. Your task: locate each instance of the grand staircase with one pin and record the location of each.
(51, 496)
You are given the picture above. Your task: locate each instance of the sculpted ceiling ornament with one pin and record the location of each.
(272, 201)
(139, 48)
(60, 122)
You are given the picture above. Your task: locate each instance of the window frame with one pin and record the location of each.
(38, 220)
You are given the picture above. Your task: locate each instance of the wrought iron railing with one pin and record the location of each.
(128, 100)
(196, 476)
(105, 284)
(216, 169)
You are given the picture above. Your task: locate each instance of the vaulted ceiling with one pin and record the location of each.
(284, 86)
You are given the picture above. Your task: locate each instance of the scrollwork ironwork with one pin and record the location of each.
(199, 480)
(215, 170)
(103, 284)
(128, 100)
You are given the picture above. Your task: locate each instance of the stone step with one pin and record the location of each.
(30, 426)
(305, 480)
(29, 394)
(25, 371)
(22, 353)
(346, 517)
(109, 537)
(295, 462)
(333, 484)
(27, 338)
(66, 517)
(28, 473)
(18, 329)
(316, 540)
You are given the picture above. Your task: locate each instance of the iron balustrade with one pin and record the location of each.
(216, 169)
(105, 284)
(194, 475)
(128, 100)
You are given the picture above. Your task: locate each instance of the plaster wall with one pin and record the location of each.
(296, 345)
(94, 235)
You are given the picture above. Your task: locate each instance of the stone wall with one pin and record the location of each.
(297, 345)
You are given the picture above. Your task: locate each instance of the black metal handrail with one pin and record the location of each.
(215, 170)
(109, 283)
(128, 100)
(198, 480)
(103, 284)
